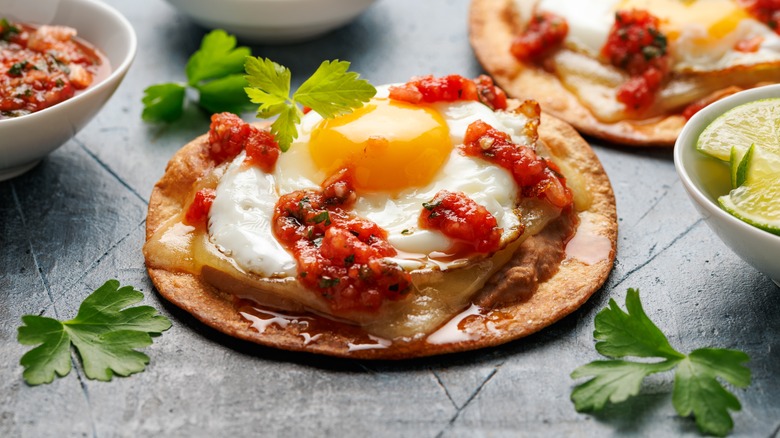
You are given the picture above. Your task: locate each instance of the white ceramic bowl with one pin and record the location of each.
(272, 21)
(705, 180)
(25, 140)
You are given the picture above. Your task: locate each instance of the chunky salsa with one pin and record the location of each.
(339, 255)
(637, 45)
(229, 135)
(459, 217)
(43, 66)
(535, 176)
(198, 213)
(429, 89)
(544, 33)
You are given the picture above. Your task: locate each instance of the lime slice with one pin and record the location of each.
(755, 122)
(757, 200)
(739, 165)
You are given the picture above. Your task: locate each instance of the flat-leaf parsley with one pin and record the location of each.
(331, 91)
(216, 71)
(696, 390)
(105, 332)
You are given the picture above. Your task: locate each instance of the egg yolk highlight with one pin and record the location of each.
(388, 145)
(717, 17)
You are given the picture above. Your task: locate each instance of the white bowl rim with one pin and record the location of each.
(690, 133)
(120, 70)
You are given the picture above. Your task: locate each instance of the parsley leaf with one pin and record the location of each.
(217, 57)
(331, 91)
(105, 332)
(163, 102)
(224, 94)
(284, 127)
(269, 79)
(697, 390)
(215, 71)
(630, 334)
(613, 380)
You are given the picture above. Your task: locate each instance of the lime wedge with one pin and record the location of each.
(755, 122)
(739, 165)
(757, 200)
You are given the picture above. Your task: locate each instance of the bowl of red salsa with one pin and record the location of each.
(60, 61)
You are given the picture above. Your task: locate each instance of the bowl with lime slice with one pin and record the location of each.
(728, 158)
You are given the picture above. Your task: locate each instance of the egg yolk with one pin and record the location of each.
(717, 17)
(388, 145)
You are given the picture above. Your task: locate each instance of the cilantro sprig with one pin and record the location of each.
(216, 71)
(697, 390)
(331, 91)
(105, 332)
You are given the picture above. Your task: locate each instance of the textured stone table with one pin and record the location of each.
(77, 220)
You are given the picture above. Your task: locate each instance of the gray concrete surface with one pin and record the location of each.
(77, 220)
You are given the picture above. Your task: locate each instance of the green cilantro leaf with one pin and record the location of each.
(269, 77)
(269, 105)
(630, 334)
(269, 86)
(163, 102)
(284, 127)
(613, 380)
(217, 57)
(216, 71)
(224, 94)
(105, 332)
(331, 91)
(697, 390)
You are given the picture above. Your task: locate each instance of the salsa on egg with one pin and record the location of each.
(43, 66)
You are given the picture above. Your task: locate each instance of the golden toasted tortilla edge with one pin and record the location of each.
(563, 293)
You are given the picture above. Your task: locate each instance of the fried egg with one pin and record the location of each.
(401, 155)
(701, 34)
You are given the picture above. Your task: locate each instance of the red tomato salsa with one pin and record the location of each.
(198, 213)
(636, 45)
(535, 176)
(43, 66)
(429, 89)
(339, 255)
(229, 135)
(459, 217)
(765, 11)
(545, 33)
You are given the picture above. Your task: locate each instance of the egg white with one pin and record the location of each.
(240, 217)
